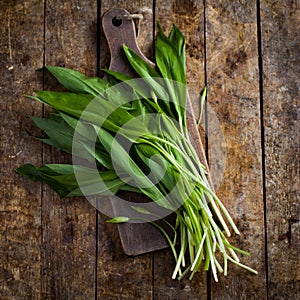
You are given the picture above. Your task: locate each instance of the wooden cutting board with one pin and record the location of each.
(138, 238)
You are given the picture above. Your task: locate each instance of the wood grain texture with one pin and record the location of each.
(281, 65)
(233, 80)
(21, 52)
(121, 276)
(48, 245)
(69, 226)
(189, 17)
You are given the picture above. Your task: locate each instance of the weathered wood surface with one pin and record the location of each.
(68, 226)
(233, 79)
(57, 249)
(21, 53)
(281, 100)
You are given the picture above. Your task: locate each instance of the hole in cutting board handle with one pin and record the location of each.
(117, 21)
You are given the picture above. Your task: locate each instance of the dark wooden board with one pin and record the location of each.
(233, 80)
(21, 53)
(68, 225)
(280, 23)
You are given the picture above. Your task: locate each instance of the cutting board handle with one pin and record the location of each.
(119, 29)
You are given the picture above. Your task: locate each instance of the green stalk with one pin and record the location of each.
(199, 251)
(202, 100)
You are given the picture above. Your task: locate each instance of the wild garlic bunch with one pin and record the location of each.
(134, 134)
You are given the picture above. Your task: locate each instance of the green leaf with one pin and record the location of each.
(77, 82)
(77, 105)
(119, 76)
(118, 220)
(34, 173)
(141, 89)
(73, 104)
(150, 76)
(125, 163)
(62, 179)
(129, 188)
(168, 59)
(177, 40)
(60, 131)
(98, 153)
(138, 64)
(60, 134)
(141, 210)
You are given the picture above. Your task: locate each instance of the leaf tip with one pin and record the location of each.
(118, 220)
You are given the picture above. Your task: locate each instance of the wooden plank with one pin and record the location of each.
(232, 76)
(189, 17)
(120, 276)
(21, 52)
(281, 61)
(69, 226)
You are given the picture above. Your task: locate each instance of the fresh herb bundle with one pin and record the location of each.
(160, 163)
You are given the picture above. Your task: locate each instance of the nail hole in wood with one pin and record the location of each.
(117, 21)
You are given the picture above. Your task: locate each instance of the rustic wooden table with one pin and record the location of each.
(247, 52)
